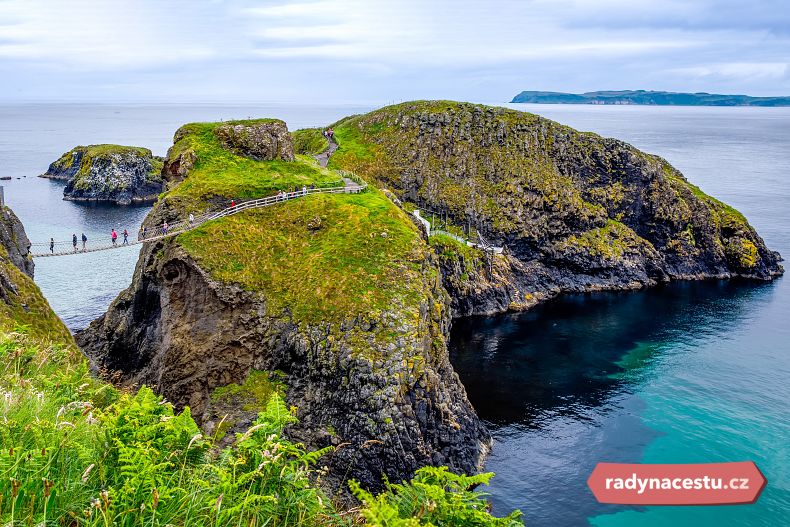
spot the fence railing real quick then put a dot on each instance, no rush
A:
(433, 232)
(146, 234)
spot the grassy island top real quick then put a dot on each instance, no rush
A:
(218, 172)
(321, 257)
(486, 153)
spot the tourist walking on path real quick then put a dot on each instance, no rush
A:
(191, 219)
(84, 241)
(304, 190)
(52, 245)
(233, 203)
(74, 241)
(165, 226)
(125, 237)
(114, 237)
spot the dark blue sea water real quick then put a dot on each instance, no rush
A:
(692, 372)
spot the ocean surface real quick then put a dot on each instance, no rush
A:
(691, 372)
(687, 373)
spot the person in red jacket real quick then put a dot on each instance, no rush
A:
(114, 236)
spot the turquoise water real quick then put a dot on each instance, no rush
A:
(693, 372)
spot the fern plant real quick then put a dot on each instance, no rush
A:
(434, 497)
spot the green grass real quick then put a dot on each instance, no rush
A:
(366, 256)
(221, 173)
(309, 141)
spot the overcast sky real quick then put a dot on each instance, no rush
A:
(370, 51)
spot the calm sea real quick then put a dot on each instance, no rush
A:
(692, 372)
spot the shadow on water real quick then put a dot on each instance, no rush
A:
(559, 385)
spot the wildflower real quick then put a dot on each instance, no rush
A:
(15, 484)
(105, 498)
(218, 503)
(156, 498)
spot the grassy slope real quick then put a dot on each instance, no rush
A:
(354, 264)
(365, 139)
(29, 309)
(363, 259)
(309, 141)
(219, 172)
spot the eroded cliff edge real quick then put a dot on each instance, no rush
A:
(336, 296)
(574, 211)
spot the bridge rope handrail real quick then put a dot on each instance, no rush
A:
(159, 232)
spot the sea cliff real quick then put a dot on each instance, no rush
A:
(573, 210)
(334, 299)
(343, 302)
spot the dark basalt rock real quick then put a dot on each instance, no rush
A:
(15, 241)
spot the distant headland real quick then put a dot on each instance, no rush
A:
(658, 98)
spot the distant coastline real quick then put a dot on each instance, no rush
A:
(644, 97)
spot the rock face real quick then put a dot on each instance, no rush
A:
(21, 302)
(110, 173)
(262, 140)
(576, 212)
(377, 386)
(14, 239)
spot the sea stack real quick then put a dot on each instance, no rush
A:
(108, 173)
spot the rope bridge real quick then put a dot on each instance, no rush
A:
(352, 185)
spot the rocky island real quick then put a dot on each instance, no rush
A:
(345, 304)
(108, 173)
(647, 97)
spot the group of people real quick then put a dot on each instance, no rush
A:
(75, 241)
(329, 133)
(282, 195)
(143, 234)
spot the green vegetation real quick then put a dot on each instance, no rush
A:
(435, 497)
(610, 241)
(219, 172)
(76, 451)
(323, 257)
(258, 388)
(309, 141)
(742, 252)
